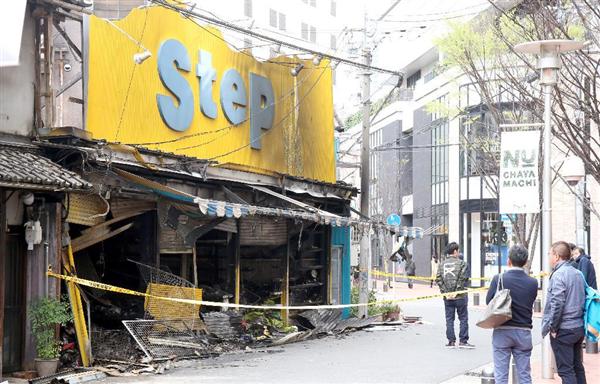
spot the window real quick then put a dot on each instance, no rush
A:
(333, 8)
(482, 157)
(430, 76)
(439, 153)
(333, 42)
(304, 31)
(313, 34)
(411, 81)
(282, 22)
(376, 201)
(442, 106)
(308, 32)
(248, 8)
(115, 9)
(277, 20)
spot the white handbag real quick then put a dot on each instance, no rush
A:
(498, 311)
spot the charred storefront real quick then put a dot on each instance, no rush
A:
(151, 226)
(239, 242)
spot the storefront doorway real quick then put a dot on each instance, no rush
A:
(14, 300)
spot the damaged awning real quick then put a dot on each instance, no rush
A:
(219, 208)
(23, 169)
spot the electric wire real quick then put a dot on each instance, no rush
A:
(276, 124)
(259, 36)
(263, 133)
(341, 32)
(448, 12)
(127, 93)
(124, 107)
(226, 128)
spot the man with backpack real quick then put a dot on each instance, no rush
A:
(563, 314)
(514, 336)
(452, 276)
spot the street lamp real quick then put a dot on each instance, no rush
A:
(549, 63)
(573, 171)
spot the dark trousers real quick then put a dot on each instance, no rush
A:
(569, 355)
(458, 306)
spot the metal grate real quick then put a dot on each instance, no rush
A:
(166, 338)
(164, 283)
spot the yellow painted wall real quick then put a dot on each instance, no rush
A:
(300, 143)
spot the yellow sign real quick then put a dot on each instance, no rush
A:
(198, 96)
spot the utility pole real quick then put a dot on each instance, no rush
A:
(365, 178)
(48, 66)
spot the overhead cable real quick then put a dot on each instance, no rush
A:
(284, 118)
(245, 31)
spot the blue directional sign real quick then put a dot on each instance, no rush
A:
(393, 219)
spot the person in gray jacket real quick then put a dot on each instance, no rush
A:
(563, 315)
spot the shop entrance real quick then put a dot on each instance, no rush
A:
(14, 304)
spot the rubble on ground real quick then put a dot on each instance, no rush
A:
(155, 346)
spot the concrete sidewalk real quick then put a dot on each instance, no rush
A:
(591, 363)
(400, 290)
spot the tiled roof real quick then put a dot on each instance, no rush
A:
(21, 168)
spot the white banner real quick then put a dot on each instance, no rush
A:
(519, 176)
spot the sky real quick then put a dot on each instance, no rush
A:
(12, 15)
(396, 37)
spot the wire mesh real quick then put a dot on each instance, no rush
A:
(166, 338)
(152, 274)
(166, 284)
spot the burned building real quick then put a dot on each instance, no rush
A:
(249, 212)
(198, 173)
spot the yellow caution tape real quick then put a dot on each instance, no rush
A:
(425, 278)
(402, 276)
(125, 291)
(430, 278)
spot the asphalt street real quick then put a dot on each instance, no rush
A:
(413, 354)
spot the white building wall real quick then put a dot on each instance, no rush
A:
(283, 20)
(16, 87)
(563, 213)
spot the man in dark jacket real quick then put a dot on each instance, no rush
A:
(451, 277)
(514, 336)
(583, 262)
(563, 315)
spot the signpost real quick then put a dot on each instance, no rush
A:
(519, 176)
(394, 220)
